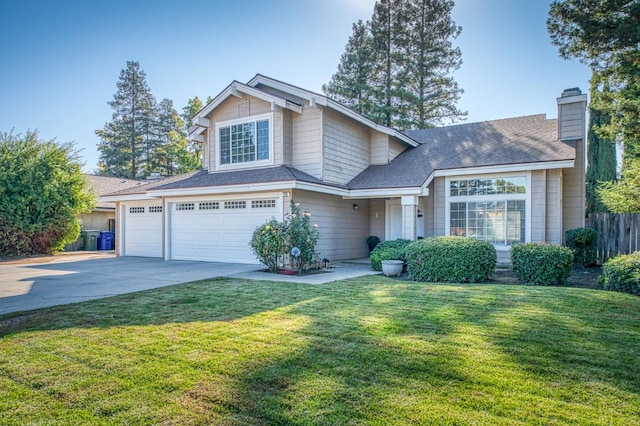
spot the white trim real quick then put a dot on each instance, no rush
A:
(251, 119)
(572, 99)
(495, 197)
(234, 89)
(128, 197)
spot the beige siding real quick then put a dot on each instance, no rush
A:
(571, 123)
(286, 137)
(96, 221)
(429, 213)
(538, 209)
(377, 218)
(346, 148)
(306, 137)
(554, 207)
(573, 192)
(395, 148)
(379, 147)
(439, 205)
(343, 230)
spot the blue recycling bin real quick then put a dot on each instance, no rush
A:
(106, 240)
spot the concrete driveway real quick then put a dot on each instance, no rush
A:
(70, 279)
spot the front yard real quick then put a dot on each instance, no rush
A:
(371, 350)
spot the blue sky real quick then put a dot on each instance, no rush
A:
(60, 59)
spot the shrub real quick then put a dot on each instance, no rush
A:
(269, 244)
(301, 235)
(296, 237)
(541, 263)
(582, 242)
(622, 273)
(388, 250)
(372, 242)
(451, 259)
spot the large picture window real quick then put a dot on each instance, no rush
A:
(492, 209)
(244, 142)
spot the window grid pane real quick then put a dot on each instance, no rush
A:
(497, 222)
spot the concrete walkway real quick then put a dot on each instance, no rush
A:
(74, 278)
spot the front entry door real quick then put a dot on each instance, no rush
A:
(393, 225)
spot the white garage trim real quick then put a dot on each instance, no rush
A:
(217, 229)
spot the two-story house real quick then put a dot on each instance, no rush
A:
(267, 142)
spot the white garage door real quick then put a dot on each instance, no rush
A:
(219, 231)
(143, 230)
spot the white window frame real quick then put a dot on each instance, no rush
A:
(448, 199)
(246, 164)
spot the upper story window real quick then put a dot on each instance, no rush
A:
(244, 141)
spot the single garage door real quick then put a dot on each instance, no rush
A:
(143, 230)
(219, 231)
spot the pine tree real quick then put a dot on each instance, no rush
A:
(601, 153)
(349, 85)
(395, 69)
(126, 142)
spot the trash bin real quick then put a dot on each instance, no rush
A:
(90, 240)
(105, 240)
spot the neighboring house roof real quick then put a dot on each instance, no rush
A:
(101, 185)
(519, 140)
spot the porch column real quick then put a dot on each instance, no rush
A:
(409, 211)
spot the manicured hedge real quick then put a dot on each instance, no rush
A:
(541, 263)
(388, 250)
(582, 241)
(450, 259)
(622, 273)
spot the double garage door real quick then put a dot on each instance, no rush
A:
(207, 230)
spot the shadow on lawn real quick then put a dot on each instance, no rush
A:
(403, 344)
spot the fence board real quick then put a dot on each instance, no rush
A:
(617, 233)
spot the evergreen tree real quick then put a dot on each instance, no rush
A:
(126, 142)
(350, 84)
(396, 68)
(601, 154)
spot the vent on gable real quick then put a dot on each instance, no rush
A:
(243, 109)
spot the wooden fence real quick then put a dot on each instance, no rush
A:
(617, 233)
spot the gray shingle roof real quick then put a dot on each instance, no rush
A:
(203, 178)
(518, 140)
(101, 185)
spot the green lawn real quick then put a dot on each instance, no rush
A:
(371, 350)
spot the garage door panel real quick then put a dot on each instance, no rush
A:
(143, 230)
(217, 235)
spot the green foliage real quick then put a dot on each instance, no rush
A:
(42, 190)
(269, 244)
(582, 242)
(622, 273)
(396, 67)
(601, 154)
(541, 263)
(295, 237)
(144, 137)
(623, 196)
(451, 259)
(388, 250)
(303, 235)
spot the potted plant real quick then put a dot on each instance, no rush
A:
(372, 242)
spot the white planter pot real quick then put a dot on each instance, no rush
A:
(392, 267)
